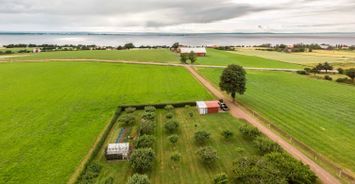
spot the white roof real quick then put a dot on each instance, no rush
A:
(193, 49)
(118, 148)
(201, 104)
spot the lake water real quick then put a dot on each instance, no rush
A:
(169, 39)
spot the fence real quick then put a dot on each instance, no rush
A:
(341, 172)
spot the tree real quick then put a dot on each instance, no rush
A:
(127, 120)
(169, 115)
(171, 126)
(227, 134)
(173, 139)
(169, 108)
(145, 141)
(350, 73)
(201, 137)
(208, 155)
(183, 58)
(138, 179)
(233, 80)
(249, 131)
(221, 178)
(142, 159)
(327, 66)
(175, 45)
(266, 145)
(192, 57)
(129, 46)
(340, 71)
(148, 116)
(176, 156)
(147, 127)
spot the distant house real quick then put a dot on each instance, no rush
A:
(199, 51)
(36, 50)
(207, 107)
(117, 151)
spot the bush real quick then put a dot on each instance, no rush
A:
(142, 159)
(148, 116)
(302, 72)
(249, 131)
(147, 127)
(207, 154)
(176, 157)
(173, 139)
(169, 115)
(169, 107)
(150, 109)
(138, 179)
(266, 145)
(344, 80)
(221, 178)
(341, 71)
(327, 77)
(130, 109)
(145, 141)
(201, 137)
(92, 171)
(127, 120)
(227, 134)
(171, 126)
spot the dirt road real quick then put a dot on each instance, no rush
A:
(238, 112)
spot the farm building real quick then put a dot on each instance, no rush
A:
(207, 107)
(199, 51)
(117, 151)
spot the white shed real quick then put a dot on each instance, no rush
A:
(202, 107)
(117, 151)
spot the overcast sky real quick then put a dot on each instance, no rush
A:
(178, 15)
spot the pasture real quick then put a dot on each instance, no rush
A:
(51, 113)
(317, 112)
(218, 57)
(189, 169)
(152, 55)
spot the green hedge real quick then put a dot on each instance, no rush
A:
(160, 105)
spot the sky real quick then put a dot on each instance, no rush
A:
(178, 16)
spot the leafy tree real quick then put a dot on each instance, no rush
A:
(169, 107)
(221, 178)
(192, 57)
(129, 46)
(145, 141)
(201, 137)
(227, 134)
(147, 127)
(341, 71)
(327, 66)
(208, 155)
(148, 116)
(175, 45)
(233, 80)
(173, 139)
(308, 70)
(249, 131)
(142, 159)
(127, 120)
(176, 157)
(266, 145)
(138, 179)
(183, 58)
(150, 109)
(169, 115)
(171, 126)
(351, 73)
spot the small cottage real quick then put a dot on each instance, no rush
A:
(118, 151)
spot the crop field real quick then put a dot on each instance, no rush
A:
(218, 57)
(338, 58)
(317, 112)
(189, 169)
(153, 55)
(51, 113)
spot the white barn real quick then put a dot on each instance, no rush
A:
(117, 151)
(199, 51)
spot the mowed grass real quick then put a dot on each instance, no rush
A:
(218, 57)
(189, 169)
(152, 55)
(51, 113)
(319, 113)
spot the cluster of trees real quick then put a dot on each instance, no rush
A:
(185, 57)
(92, 171)
(226, 48)
(233, 80)
(350, 73)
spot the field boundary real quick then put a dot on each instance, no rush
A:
(340, 171)
(79, 171)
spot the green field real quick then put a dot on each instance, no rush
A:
(218, 57)
(51, 113)
(189, 169)
(317, 112)
(153, 55)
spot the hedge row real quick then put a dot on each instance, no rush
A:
(160, 105)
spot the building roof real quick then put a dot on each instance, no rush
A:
(118, 148)
(201, 104)
(212, 104)
(186, 50)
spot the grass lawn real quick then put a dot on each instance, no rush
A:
(317, 112)
(51, 113)
(154, 55)
(218, 57)
(189, 169)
